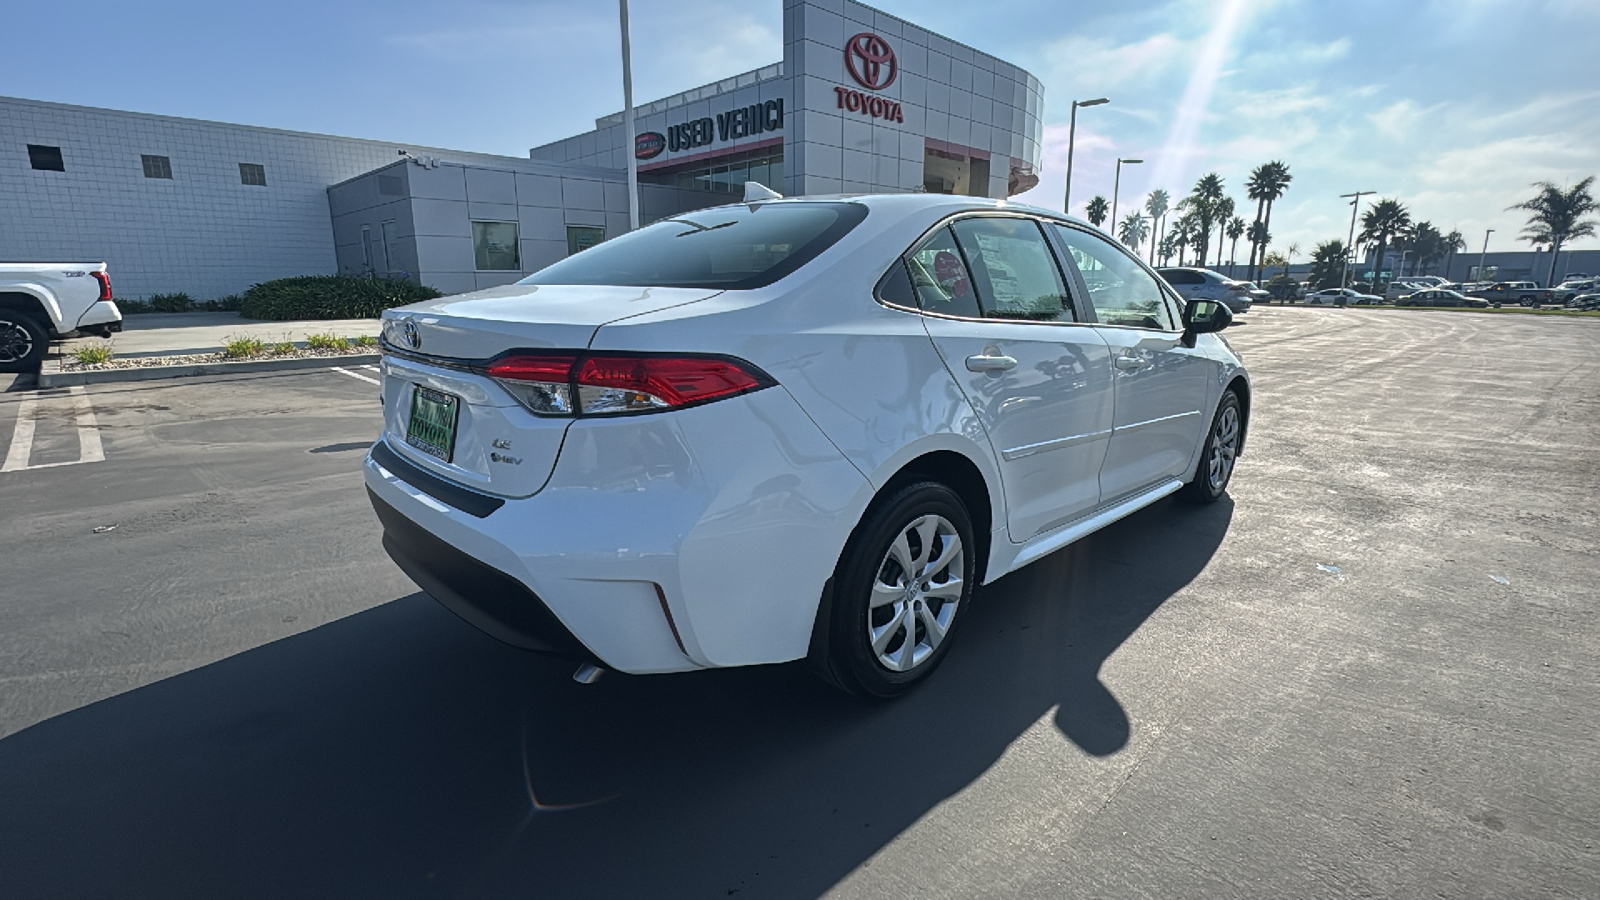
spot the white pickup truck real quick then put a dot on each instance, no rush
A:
(40, 302)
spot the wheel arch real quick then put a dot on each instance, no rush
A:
(1241, 387)
(26, 298)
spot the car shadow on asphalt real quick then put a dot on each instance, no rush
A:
(400, 753)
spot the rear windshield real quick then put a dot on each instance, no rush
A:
(730, 247)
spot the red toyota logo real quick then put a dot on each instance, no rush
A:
(871, 61)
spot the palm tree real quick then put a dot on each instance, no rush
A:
(1258, 236)
(1288, 260)
(1135, 228)
(1181, 231)
(1327, 264)
(1157, 205)
(1267, 183)
(1203, 204)
(1558, 216)
(1235, 231)
(1381, 223)
(1169, 248)
(1452, 242)
(1224, 212)
(1097, 210)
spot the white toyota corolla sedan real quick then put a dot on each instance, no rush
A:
(795, 428)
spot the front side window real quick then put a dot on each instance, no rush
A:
(739, 247)
(494, 246)
(1122, 292)
(1013, 270)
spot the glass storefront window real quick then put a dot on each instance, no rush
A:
(494, 247)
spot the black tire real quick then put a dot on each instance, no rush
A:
(23, 342)
(848, 660)
(1203, 488)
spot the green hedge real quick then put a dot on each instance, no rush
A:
(329, 297)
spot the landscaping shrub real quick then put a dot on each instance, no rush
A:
(93, 354)
(329, 297)
(171, 303)
(243, 347)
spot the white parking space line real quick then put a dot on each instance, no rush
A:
(370, 368)
(344, 371)
(21, 438)
(90, 449)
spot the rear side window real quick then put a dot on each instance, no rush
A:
(730, 247)
(1180, 276)
(1013, 270)
(940, 277)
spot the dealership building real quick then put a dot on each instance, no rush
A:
(860, 101)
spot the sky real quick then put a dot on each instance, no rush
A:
(1454, 107)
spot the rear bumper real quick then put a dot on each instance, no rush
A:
(484, 596)
(693, 539)
(103, 312)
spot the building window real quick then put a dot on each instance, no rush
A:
(252, 173)
(582, 237)
(366, 249)
(156, 166)
(494, 246)
(46, 159)
(389, 185)
(391, 243)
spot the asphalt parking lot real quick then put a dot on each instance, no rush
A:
(1370, 672)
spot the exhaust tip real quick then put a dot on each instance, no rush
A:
(588, 673)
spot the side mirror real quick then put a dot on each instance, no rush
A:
(1204, 317)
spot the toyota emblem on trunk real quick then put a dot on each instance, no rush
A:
(871, 61)
(412, 336)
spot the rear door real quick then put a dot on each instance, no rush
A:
(1160, 386)
(997, 307)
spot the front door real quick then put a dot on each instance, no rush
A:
(1160, 386)
(1040, 382)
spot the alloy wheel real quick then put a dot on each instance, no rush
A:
(1224, 447)
(16, 344)
(916, 593)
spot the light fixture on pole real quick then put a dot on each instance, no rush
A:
(1116, 188)
(629, 137)
(1484, 255)
(1072, 134)
(1350, 246)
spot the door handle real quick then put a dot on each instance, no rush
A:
(1129, 363)
(990, 363)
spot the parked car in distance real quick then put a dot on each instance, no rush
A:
(1398, 289)
(1435, 297)
(1432, 281)
(1585, 301)
(1342, 297)
(1522, 293)
(40, 302)
(1204, 284)
(1565, 292)
(791, 429)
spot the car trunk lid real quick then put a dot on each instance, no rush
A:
(443, 413)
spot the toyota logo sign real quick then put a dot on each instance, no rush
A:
(871, 61)
(649, 145)
(413, 338)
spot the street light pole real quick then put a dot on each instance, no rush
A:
(1349, 247)
(627, 123)
(1403, 255)
(1072, 135)
(1482, 256)
(1116, 188)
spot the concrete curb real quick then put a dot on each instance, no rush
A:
(50, 374)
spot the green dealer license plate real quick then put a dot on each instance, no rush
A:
(433, 422)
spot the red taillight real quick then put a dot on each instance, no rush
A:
(609, 383)
(621, 383)
(105, 284)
